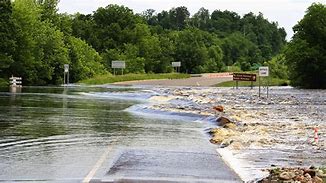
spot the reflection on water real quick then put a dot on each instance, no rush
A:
(57, 134)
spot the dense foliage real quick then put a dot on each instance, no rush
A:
(37, 41)
(205, 42)
(306, 53)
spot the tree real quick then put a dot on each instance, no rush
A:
(26, 15)
(225, 22)
(191, 50)
(201, 19)
(306, 53)
(179, 17)
(214, 62)
(278, 68)
(149, 16)
(36, 41)
(239, 50)
(267, 36)
(135, 64)
(85, 61)
(83, 26)
(163, 20)
(7, 36)
(113, 27)
(41, 51)
(49, 11)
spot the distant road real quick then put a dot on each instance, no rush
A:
(196, 80)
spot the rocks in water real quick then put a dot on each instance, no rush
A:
(219, 108)
(317, 180)
(226, 123)
(223, 121)
(287, 175)
(311, 172)
(302, 175)
(220, 135)
(230, 126)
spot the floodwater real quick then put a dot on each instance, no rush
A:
(64, 134)
(277, 131)
(59, 134)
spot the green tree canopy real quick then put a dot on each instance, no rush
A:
(306, 53)
(37, 40)
(8, 31)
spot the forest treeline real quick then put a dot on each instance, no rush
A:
(37, 41)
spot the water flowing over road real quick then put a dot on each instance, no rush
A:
(83, 134)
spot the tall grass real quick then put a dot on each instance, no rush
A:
(109, 78)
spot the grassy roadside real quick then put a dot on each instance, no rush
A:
(272, 82)
(109, 78)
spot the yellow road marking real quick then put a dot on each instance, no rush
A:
(98, 164)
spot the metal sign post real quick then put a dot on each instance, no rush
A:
(176, 66)
(66, 74)
(118, 65)
(264, 72)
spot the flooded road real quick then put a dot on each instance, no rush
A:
(59, 134)
(266, 133)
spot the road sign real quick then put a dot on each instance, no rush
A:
(244, 77)
(15, 81)
(263, 71)
(66, 74)
(118, 64)
(176, 64)
(66, 68)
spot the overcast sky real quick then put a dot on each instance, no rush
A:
(286, 12)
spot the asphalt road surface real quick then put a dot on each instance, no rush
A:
(205, 80)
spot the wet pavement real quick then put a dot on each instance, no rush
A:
(65, 135)
(169, 166)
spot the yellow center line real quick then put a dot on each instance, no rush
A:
(98, 164)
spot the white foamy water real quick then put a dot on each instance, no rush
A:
(272, 132)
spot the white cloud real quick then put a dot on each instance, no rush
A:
(286, 12)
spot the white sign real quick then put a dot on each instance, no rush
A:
(176, 64)
(118, 64)
(66, 66)
(263, 71)
(15, 81)
(15, 78)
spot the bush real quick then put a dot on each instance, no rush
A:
(3, 82)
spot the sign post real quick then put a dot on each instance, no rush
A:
(118, 65)
(176, 65)
(66, 74)
(244, 77)
(264, 72)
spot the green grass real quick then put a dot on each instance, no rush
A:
(109, 78)
(272, 82)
